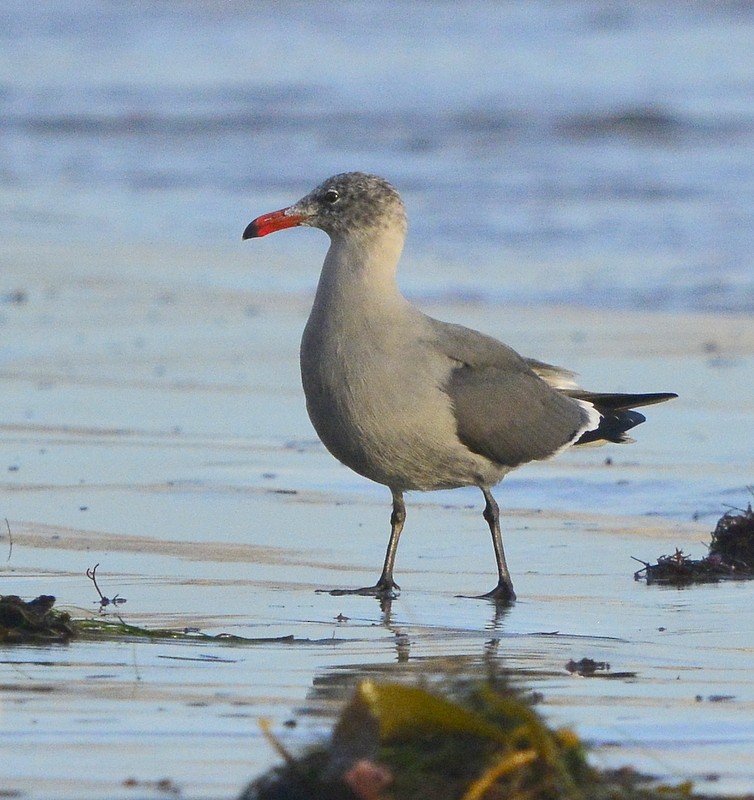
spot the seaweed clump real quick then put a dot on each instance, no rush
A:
(405, 743)
(730, 556)
(38, 622)
(33, 621)
(733, 541)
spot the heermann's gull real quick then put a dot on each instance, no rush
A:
(412, 402)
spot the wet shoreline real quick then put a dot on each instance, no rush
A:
(171, 447)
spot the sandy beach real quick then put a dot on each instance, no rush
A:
(153, 423)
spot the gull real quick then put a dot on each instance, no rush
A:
(415, 403)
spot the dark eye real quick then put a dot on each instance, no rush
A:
(331, 196)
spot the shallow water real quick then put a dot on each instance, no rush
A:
(171, 447)
(579, 183)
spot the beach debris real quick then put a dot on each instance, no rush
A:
(733, 540)
(104, 601)
(464, 739)
(406, 742)
(586, 666)
(163, 786)
(37, 621)
(23, 622)
(589, 668)
(715, 698)
(730, 556)
(10, 540)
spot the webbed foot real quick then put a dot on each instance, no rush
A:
(502, 594)
(385, 590)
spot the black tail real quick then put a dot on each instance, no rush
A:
(616, 413)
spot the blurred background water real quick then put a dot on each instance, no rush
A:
(597, 153)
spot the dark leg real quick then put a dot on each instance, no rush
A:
(503, 592)
(385, 587)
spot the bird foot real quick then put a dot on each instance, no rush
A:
(385, 590)
(502, 594)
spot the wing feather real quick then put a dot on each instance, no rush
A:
(504, 410)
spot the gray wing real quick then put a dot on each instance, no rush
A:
(504, 410)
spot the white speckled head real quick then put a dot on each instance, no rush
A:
(348, 204)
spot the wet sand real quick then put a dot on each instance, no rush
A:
(153, 423)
